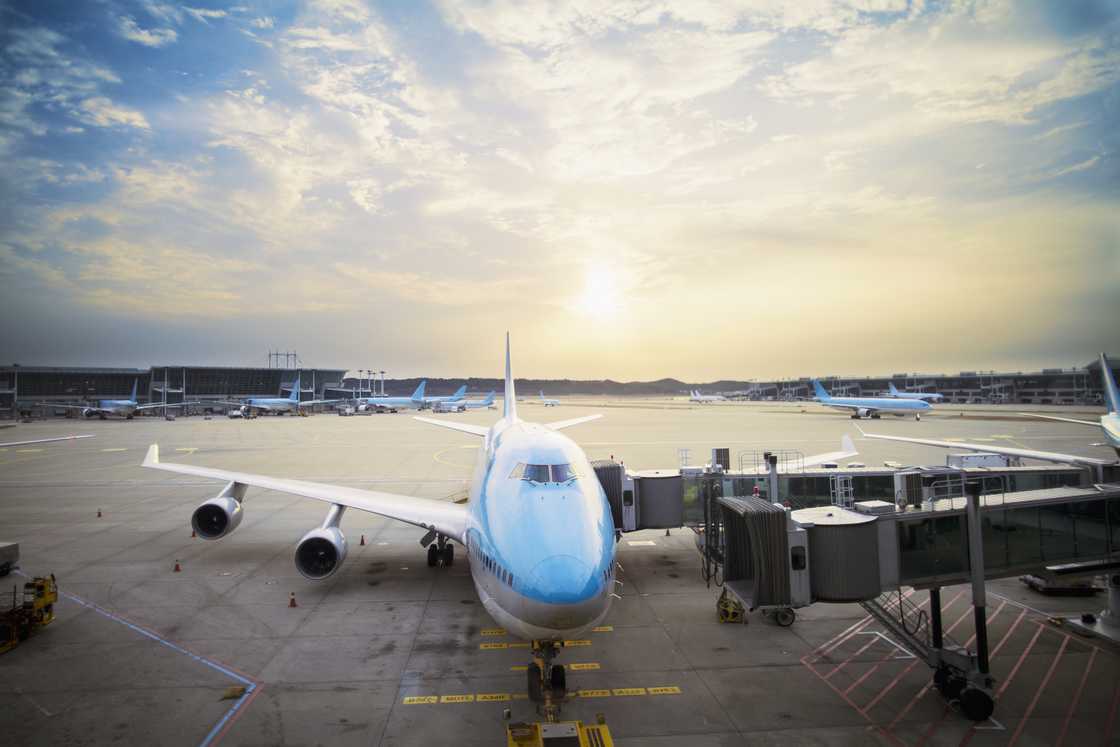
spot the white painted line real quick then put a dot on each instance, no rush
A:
(641, 543)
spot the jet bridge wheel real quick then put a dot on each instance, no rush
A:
(785, 617)
(949, 685)
(976, 704)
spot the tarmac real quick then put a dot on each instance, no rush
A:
(391, 652)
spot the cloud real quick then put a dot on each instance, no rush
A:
(263, 23)
(129, 29)
(204, 15)
(102, 112)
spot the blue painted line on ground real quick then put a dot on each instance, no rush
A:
(250, 685)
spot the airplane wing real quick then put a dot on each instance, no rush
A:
(562, 424)
(169, 405)
(1045, 456)
(446, 518)
(44, 440)
(1064, 420)
(474, 430)
(71, 407)
(321, 402)
(847, 450)
(839, 406)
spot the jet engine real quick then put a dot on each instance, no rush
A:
(89, 412)
(217, 517)
(863, 412)
(320, 553)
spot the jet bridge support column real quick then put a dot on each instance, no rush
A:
(935, 617)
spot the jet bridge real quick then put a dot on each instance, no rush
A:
(769, 557)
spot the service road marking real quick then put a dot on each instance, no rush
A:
(618, 692)
(119, 448)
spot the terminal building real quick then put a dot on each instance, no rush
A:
(22, 388)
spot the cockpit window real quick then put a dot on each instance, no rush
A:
(542, 473)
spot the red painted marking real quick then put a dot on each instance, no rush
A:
(244, 707)
(1007, 635)
(1076, 697)
(1111, 716)
(867, 674)
(863, 648)
(1022, 657)
(1038, 693)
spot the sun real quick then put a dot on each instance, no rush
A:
(601, 299)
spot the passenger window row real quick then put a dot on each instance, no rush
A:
(493, 566)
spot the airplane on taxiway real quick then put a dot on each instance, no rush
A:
(126, 408)
(696, 396)
(870, 407)
(463, 405)
(925, 396)
(1109, 424)
(548, 402)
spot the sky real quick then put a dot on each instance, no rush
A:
(635, 190)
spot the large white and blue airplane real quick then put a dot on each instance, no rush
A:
(870, 407)
(278, 405)
(696, 396)
(414, 402)
(547, 402)
(126, 408)
(1109, 424)
(537, 528)
(925, 396)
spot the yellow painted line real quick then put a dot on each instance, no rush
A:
(603, 629)
(620, 691)
(584, 666)
(456, 699)
(569, 644)
(493, 631)
(493, 646)
(120, 448)
(519, 696)
(954, 439)
(188, 450)
(492, 697)
(519, 645)
(28, 451)
(672, 690)
(594, 693)
(520, 668)
(418, 699)
(983, 439)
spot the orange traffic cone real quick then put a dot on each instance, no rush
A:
(363, 542)
(292, 600)
(177, 568)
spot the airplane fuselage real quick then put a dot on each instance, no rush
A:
(1110, 424)
(877, 404)
(541, 552)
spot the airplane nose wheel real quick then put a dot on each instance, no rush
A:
(441, 553)
(548, 682)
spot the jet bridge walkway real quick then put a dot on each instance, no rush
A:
(870, 554)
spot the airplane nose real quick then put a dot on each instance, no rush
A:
(563, 579)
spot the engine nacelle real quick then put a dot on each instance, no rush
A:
(863, 412)
(89, 412)
(320, 553)
(217, 517)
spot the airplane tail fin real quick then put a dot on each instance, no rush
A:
(419, 393)
(134, 383)
(1111, 393)
(458, 395)
(294, 396)
(509, 403)
(542, 394)
(821, 393)
(892, 388)
(489, 398)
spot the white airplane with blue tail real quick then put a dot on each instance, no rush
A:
(279, 405)
(870, 407)
(537, 528)
(925, 396)
(126, 408)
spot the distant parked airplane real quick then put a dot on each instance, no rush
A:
(548, 402)
(870, 407)
(696, 396)
(279, 405)
(925, 396)
(126, 408)
(463, 405)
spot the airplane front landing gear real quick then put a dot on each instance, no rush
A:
(548, 686)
